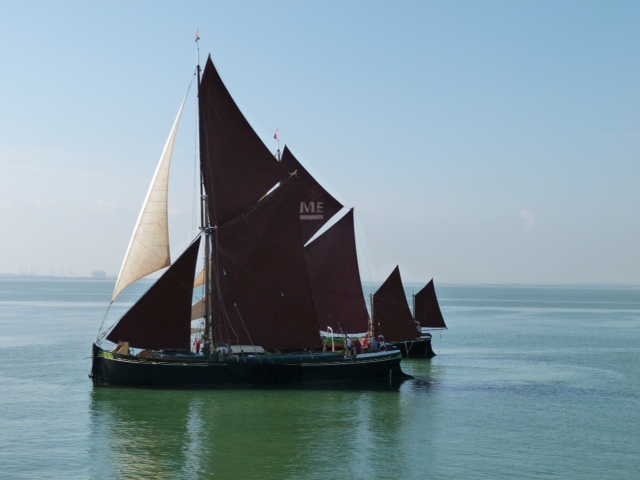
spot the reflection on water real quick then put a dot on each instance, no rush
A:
(142, 434)
(251, 433)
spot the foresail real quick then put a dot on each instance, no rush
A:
(148, 249)
(391, 313)
(161, 318)
(427, 309)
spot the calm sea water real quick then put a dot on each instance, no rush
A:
(529, 383)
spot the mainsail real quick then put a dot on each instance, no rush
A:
(426, 308)
(148, 249)
(263, 296)
(316, 205)
(335, 278)
(161, 318)
(391, 313)
(261, 292)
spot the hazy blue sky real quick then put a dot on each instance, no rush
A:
(479, 141)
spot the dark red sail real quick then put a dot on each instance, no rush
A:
(391, 314)
(317, 206)
(237, 167)
(263, 285)
(161, 318)
(426, 308)
(335, 279)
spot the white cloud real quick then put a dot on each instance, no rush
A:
(529, 218)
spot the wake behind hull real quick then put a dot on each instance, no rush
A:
(417, 348)
(113, 370)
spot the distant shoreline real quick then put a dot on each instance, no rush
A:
(408, 285)
(18, 276)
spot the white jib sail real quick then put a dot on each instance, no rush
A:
(148, 249)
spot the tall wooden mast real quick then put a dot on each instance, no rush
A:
(205, 225)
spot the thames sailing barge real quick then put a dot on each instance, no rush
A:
(391, 317)
(261, 324)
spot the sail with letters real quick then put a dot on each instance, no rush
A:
(331, 257)
(317, 206)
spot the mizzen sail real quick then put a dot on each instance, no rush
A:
(148, 249)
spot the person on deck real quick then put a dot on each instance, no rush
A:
(357, 347)
(222, 351)
(373, 345)
(347, 350)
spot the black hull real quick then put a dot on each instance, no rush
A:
(418, 348)
(113, 370)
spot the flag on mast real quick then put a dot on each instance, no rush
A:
(277, 137)
(197, 35)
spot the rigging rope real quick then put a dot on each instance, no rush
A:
(366, 261)
(100, 336)
(247, 332)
